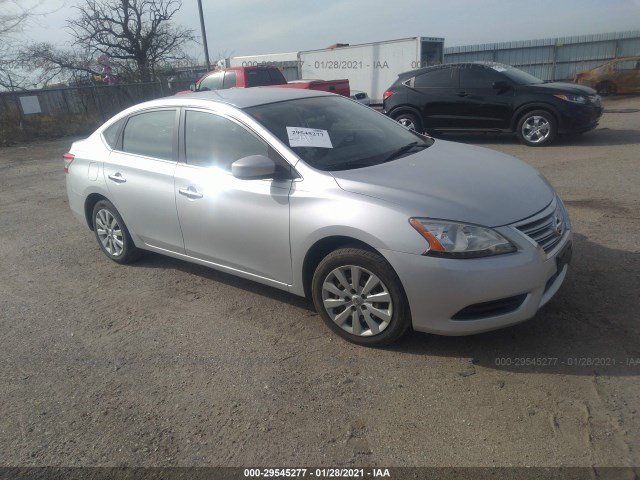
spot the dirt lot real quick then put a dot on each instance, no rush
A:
(164, 363)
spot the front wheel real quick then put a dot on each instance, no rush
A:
(410, 121)
(537, 128)
(112, 234)
(606, 88)
(360, 297)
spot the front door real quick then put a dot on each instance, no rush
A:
(481, 105)
(242, 225)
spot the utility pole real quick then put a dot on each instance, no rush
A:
(204, 36)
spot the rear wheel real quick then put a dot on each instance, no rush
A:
(112, 234)
(537, 128)
(410, 121)
(360, 297)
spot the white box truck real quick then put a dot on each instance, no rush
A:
(286, 62)
(371, 67)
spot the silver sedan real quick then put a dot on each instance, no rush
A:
(316, 194)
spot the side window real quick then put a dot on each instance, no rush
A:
(277, 77)
(212, 82)
(478, 77)
(215, 141)
(625, 65)
(111, 134)
(438, 78)
(229, 80)
(150, 134)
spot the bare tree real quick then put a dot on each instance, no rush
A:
(52, 63)
(12, 18)
(136, 34)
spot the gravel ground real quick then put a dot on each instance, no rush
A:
(163, 363)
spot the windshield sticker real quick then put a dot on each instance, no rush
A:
(308, 137)
(498, 68)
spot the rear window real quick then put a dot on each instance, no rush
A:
(264, 76)
(111, 134)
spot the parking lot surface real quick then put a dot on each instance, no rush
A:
(164, 363)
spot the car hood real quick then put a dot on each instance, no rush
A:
(455, 182)
(559, 87)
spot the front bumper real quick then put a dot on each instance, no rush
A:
(518, 284)
(578, 118)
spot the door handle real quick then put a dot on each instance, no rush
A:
(117, 177)
(190, 192)
(463, 94)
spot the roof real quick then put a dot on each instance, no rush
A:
(418, 71)
(250, 97)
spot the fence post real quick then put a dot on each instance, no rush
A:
(96, 100)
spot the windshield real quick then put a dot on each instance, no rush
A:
(520, 77)
(333, 133)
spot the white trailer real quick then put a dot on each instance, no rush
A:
(371, 67)
(287, 62)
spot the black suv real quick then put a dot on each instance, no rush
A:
(491, 97)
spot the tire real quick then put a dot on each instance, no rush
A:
(537, 128)
(112, 234)
(410, 121)
(367, 275)
(606, 88)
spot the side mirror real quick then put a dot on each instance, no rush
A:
(192, 87)
(258, 167)
(501, 85)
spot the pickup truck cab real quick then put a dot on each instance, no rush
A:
(263, 76)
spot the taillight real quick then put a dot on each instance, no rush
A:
(387, 94)
(68, 158)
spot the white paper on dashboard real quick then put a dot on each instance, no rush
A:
(308, 137)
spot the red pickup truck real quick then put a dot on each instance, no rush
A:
(262, 76)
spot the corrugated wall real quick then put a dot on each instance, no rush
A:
(552, 58)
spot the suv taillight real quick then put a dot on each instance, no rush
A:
(387, 94)
(68, 158)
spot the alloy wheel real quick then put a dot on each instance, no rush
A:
(109, 233)
(357, 301)
(536, 129)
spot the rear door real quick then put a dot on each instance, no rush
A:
(434, 93)
(139, 176)
(242, 225)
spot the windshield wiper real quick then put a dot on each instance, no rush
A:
(410, 146)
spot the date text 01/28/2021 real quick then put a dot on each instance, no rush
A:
(569, 361)
(317, 472)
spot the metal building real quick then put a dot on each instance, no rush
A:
(552, 58)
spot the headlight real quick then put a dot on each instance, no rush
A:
(565, 213)
(457, 240)
(572, 98)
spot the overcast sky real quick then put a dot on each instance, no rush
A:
(246, 27)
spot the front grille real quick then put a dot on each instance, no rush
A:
(545, 229)
(595, 99)
(490, 309)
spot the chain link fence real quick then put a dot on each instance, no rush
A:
(51, 113)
